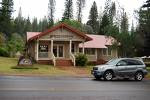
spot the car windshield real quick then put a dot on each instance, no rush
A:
(112, 62)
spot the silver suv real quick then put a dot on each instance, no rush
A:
(122, 67)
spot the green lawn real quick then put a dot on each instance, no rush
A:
(148, 76)
(6, 65)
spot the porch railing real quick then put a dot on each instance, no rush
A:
(43, 54)
(72, 57)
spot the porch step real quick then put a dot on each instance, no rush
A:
(46, 62)
(64, 62)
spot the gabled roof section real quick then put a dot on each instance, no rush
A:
(61, 25)
(32, 34)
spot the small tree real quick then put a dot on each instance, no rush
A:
(15, 44)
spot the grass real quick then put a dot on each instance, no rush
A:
(8, 67)
(148, 76)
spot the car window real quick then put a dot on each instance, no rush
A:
(122, 63)
(112, 62)
(134, 62)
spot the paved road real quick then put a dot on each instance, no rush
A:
(58, 88)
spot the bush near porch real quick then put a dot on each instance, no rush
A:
(81, 60)
(7, 68)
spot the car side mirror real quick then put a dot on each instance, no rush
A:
(119, 64)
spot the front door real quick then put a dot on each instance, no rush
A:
(58, 51)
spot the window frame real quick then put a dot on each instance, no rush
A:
(90, 51)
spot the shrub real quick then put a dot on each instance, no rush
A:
(4, 52)
(81, 60)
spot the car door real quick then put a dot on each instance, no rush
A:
(121, 67)
(131, 67)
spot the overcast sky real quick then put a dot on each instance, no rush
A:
(39, 8)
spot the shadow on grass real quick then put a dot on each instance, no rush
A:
(24, 67)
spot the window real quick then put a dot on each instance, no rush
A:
(134, 62)
(80, 50)
(43, 51)
(122, 63)
(43, 48)
(109, 51)
(73, 48)
(90, 51)
(104, 51)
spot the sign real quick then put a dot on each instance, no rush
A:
(61, 36)
(25, 62)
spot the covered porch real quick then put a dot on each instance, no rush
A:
(54, 51)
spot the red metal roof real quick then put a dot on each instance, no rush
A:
(32, 34)
(98, 41)
(35, 35)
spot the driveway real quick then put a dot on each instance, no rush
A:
(60, 88)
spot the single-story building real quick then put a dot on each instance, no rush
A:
(59, 44)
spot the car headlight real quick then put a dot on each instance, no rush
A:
(101, 68)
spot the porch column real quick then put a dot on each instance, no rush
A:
(37, 50)
(52, 46)
(70, 46)
(83, 48)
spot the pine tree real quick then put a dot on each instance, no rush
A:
(104, 23)
(93, 18)
(68, 13)
(144, 25)
(5, 17)
(112, 12)
(107, 6)
(35, 25)
(51, 10)
(124, 23)
(108, 17)
(43, 24)
(80, 6)
(19, 23)
(147, 4)
(28, 27)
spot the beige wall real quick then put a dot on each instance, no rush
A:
(65, 35)
(99, 55)
(107, 57)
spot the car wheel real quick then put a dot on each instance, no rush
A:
(139, 76)
(108, 75)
